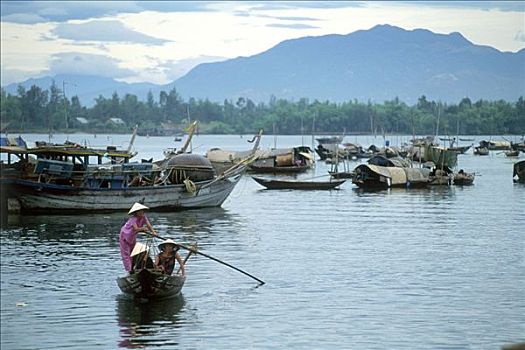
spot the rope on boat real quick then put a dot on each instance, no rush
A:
(190, 186)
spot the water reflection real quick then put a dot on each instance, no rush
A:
(191, 223)
(149, 324)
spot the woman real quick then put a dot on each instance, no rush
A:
(138, 222)
(166, 258)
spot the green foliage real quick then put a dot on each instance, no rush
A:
(40, 110)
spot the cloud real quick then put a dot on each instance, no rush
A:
(104, 31)
(518, 6)
(284, 5)
(292, 18)
(281, 18)
(61, 11)
(87, 64)
(175, 69)
(30, 12)
(23, 18)
(10, 75)
(291, 26)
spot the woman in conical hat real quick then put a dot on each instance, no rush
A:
(138, 222)
(167, 256)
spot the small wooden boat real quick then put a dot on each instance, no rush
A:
(460, 149)
(463, 179)
(481, 151)
(273, 184)
(519, 171)
(513, 153)
(341, 174)
(150, 283)
(330, 139)
(286, 160)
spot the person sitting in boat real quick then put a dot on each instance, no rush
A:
(140, 257)
(166, 258)
(138, 222)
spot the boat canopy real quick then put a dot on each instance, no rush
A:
(397, 175)
(388, 162)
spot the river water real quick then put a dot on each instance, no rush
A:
(439, 268)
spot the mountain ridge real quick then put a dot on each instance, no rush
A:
(377, 64)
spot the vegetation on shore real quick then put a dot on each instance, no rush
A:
(39, 110)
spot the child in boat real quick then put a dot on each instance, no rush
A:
(138, 222)
(166, 258)
(140, 257)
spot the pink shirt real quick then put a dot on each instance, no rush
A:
(126, 232)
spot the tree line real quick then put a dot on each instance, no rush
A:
(39, 110)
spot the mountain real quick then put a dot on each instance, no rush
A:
(88, 87)
(378, 64)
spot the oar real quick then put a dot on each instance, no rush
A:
(215, 259)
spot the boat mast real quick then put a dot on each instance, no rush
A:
(189, 123)
(437, 123)
(133, 136)
(274, 137)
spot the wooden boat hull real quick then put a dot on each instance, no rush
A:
(151, 284)
(341, 174)
(297, 185)
(519, 171)
(481, 151)
(280, 169)
(369, 176)
(464, 180)
(35, 196)
(460, 149)
(512, 153)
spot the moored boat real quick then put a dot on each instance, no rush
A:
(463, 179)
(287, 160)
(513, 153)
(65, 180)
(481, 151)
(275, 184)
(371, 176)
(519, 171)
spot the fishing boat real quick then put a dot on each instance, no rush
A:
(460, 149)
(481, 151)
(495, 145)
(286, 160)
(519, 171)
(341, 174)
(63, 179)
(369, 176)
(463, 179)
(275, 184)
(513, 153)
(330, 139)
(223, 159)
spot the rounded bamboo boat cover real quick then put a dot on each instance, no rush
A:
(190, 160)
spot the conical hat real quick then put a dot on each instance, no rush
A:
(168, 241)
(137, 207)
(139, 248)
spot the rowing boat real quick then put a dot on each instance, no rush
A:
(151, 284)
(273, 184)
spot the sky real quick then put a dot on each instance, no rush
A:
(158, 42)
